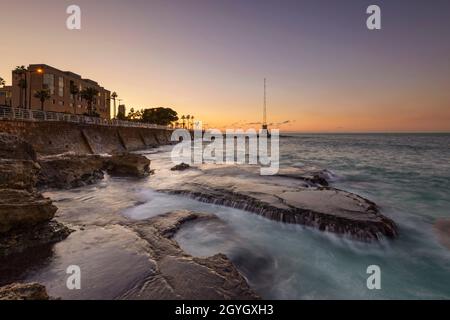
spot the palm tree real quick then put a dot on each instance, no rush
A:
(183, 118)
(89, 95)
(192, 122)
(114, 95)
(2, 82)
(74, 91)
(22, 84)
(188, 119)
(42, 95)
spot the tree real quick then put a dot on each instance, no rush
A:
(22, 84)
(114, 95)
(74, 91)
(188, 119)
(183, 118)
(159, 116)
(90, 94)
(2, 82)
(134, 115)
(42, 95)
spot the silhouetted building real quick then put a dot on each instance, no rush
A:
(122, 109)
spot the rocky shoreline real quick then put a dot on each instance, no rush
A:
(299, 196)
(27, 221)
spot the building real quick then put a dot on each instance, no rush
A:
(6, 96)
(122, 109)
(58, 83)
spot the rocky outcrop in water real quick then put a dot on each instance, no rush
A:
(128, 164)
(19, 240)
(291, 197)
(70, 171)
(178, 275)
(181, 167)
(23, 291)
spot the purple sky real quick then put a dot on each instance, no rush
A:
(326, 71)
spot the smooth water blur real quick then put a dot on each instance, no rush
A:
(407, 175)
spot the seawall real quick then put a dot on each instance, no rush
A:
(49, 138)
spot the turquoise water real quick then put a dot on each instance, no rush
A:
(407, 175)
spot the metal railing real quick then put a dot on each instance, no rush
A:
(38, 115)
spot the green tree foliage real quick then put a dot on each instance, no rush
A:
(42, 95)
(160, 116)
(90, 94)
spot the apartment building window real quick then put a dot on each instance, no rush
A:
(61, 103)
(49, 82)
(61, 86)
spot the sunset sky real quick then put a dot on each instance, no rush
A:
(325, 70)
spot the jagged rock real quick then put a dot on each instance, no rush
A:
(23, 291)
(19, 240)
(13, 147)
(18, 174)
(181, 167)
(21, 208)
(286, 198)
(70, 171)
(128, 164)
(179, 275)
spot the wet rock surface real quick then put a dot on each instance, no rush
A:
(70, 171)
(23, 291)
(128, 164)
(180, 276)
(298, 196)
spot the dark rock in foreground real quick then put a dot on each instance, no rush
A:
(25, 215)
(180, 276)
(20, 208)
(23, 291)
(19, 240)
(128, 164)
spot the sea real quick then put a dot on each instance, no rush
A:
(406, 174)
